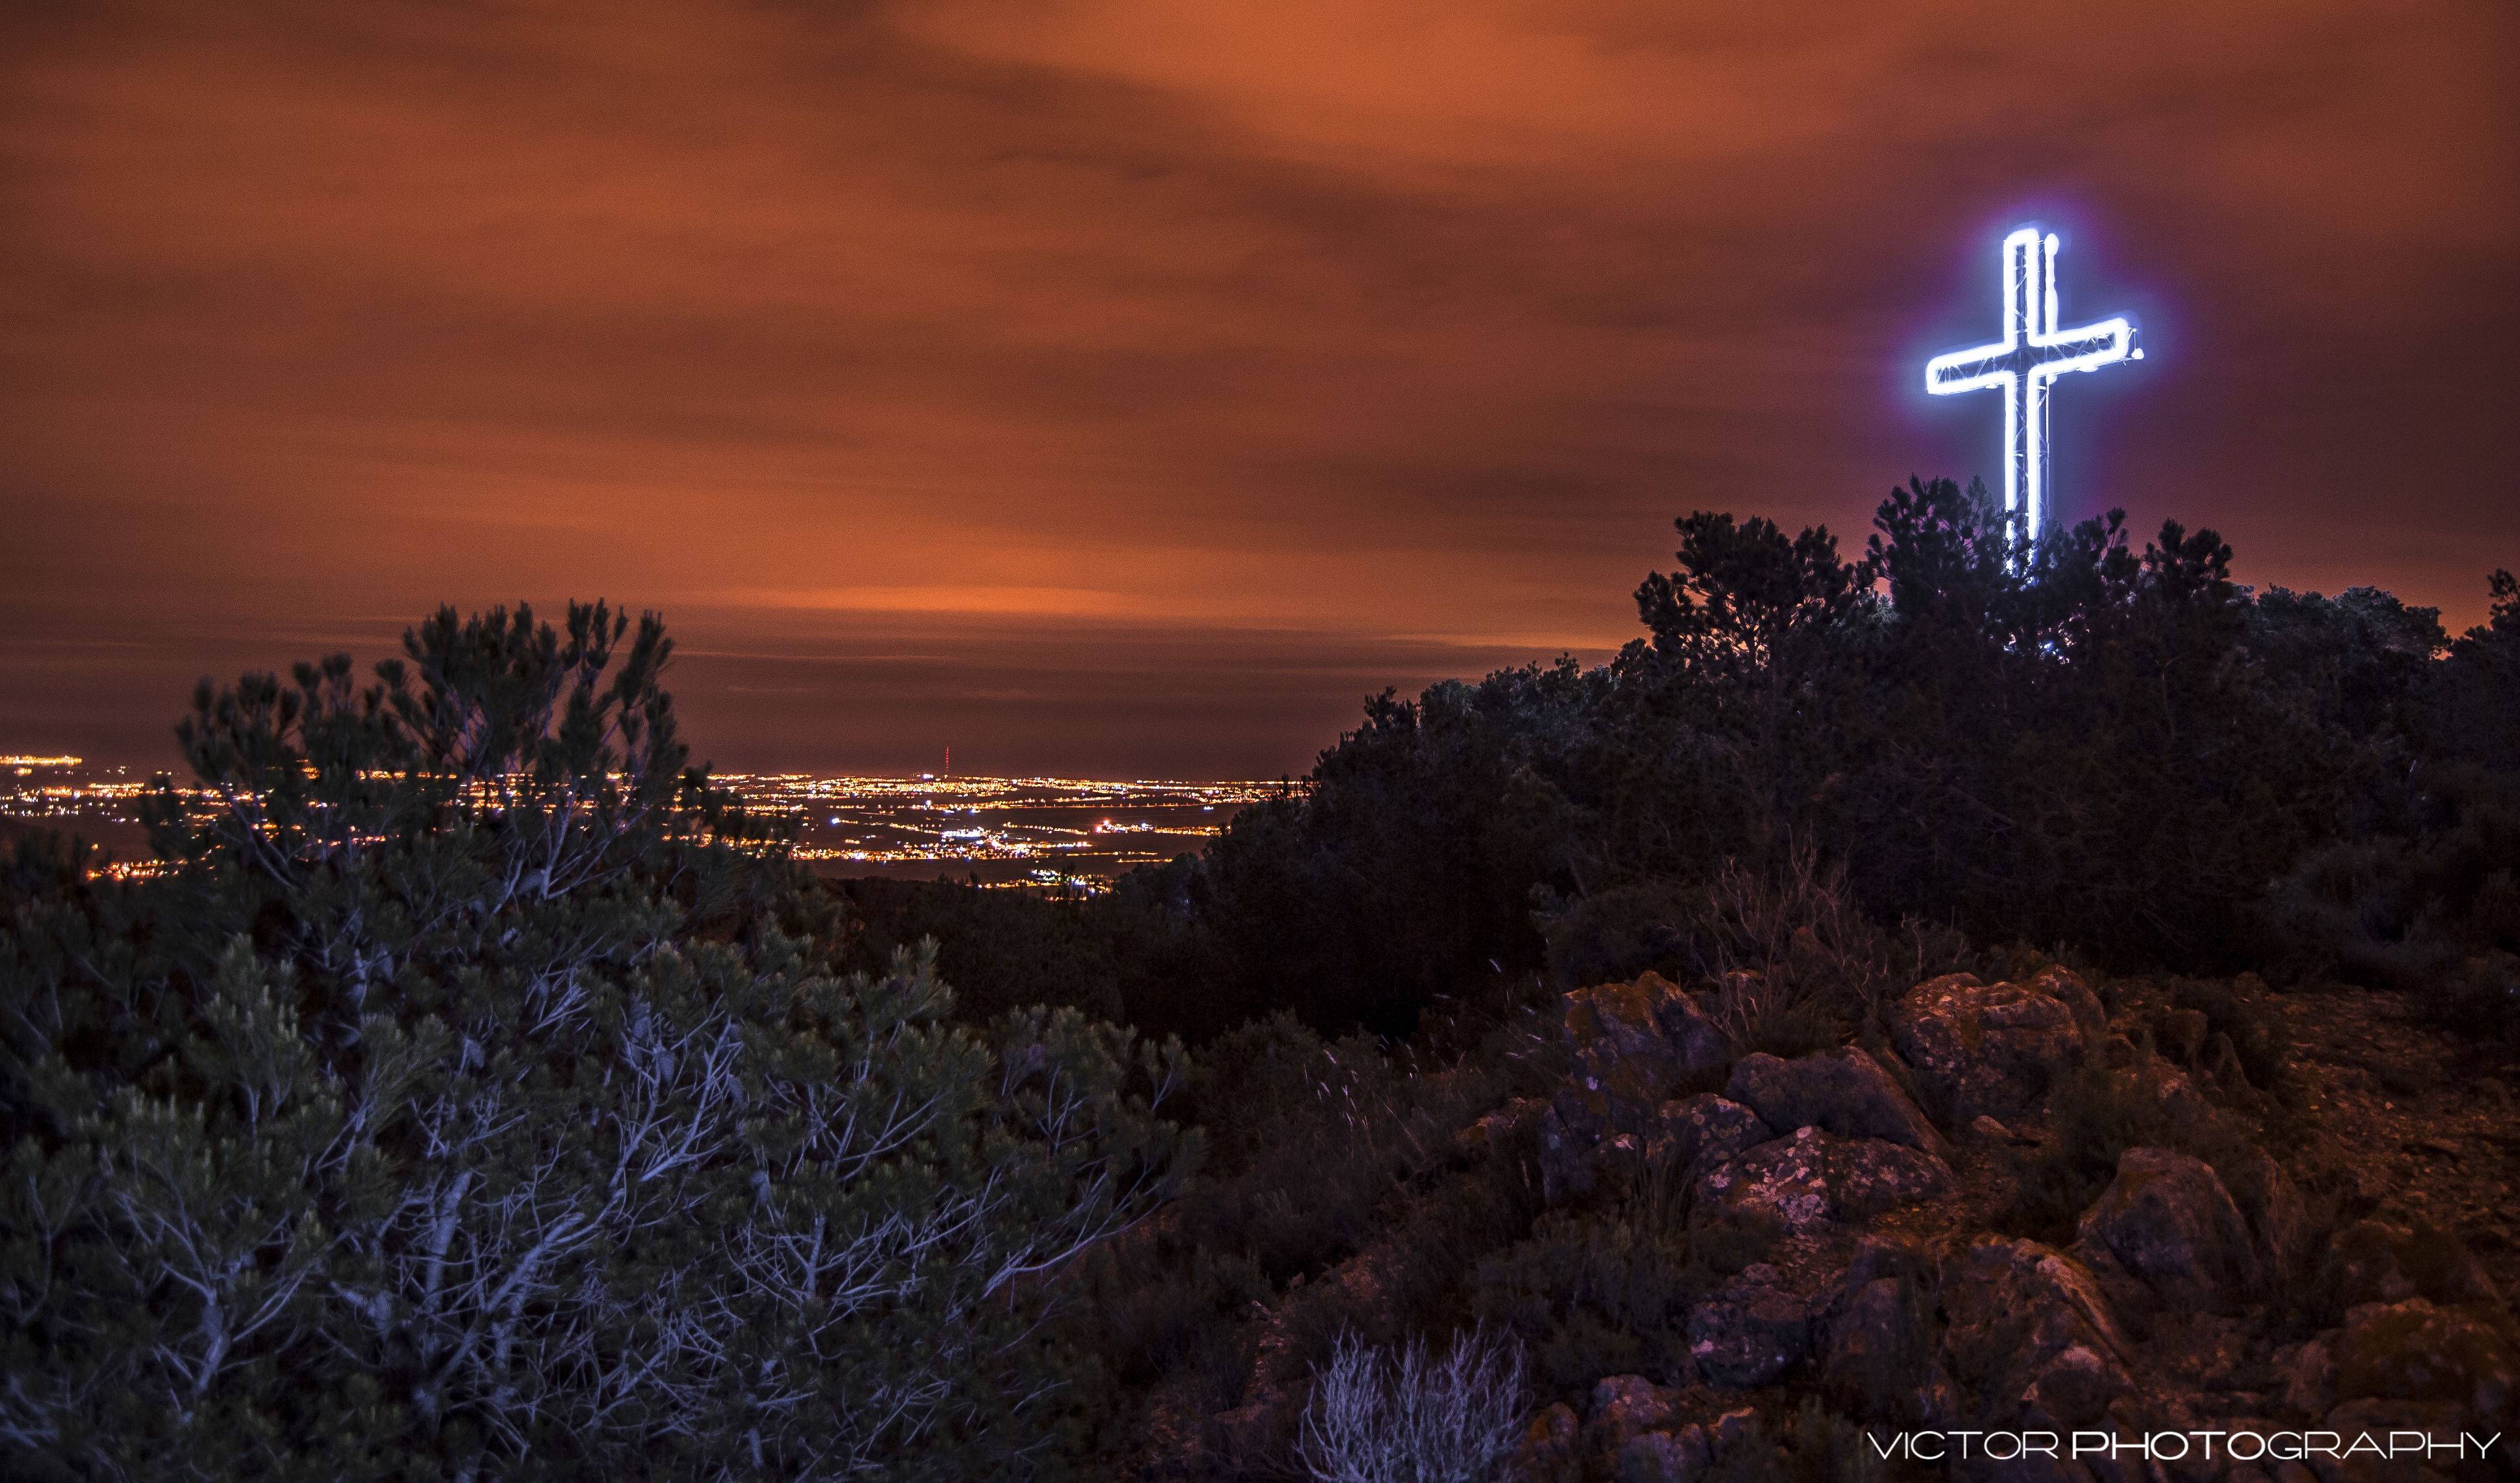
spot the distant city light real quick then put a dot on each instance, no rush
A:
(2025, 363)
(904, 825)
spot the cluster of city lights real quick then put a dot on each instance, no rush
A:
(1073, 833)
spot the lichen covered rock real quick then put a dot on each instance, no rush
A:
(1748, 1334)
(2167, 1218)
(1993, 1050)
(1692, 1132)
(2030, 1334)
(1813, 1179)
(1844, 1091)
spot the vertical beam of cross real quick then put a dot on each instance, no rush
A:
(2024, 365)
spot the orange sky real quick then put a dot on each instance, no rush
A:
(1113, 386)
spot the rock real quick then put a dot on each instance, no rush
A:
(2182, 1035)
(2075, 1387)
(2067, 987)
(1549, 1454)
(1814, 1178)
(2278, 1220)
(2221, 1067)
(2417, 1351)
(2306, 1377)
(1663, 1456)
(2018, 1310)
(2168, 1219)
(1844, 1091)
(1693, 1131)
(1625, 1406)
(2374, 1262)
(1991, 1049)
(1650, 1018)
(1876, 1257)
(2181, 1101)
(1876, 1350)
(1498, 1129)
(1989, 1129)
(1630, 1046)
(1747, 1335)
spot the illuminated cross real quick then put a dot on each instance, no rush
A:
(2033, 353)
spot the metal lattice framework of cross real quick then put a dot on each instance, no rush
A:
(2025, 364)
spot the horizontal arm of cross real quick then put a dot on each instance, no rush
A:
(2046, 355)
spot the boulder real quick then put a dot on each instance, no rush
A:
(1844, 1091)
(1993, 1050)
(2417, 1350)
(2374, 1262)
(1662, 1457)
(1814, 1178)
(1875, 1349)
(2278, 1219)
(1748, 1334)
(2306, 1377)
(2222, 1068)
(2167, 1218)
(1503, 1128)
(2182, 1035)
(1692, 1132)
(2029, 1332)
(1624, 1407)
(1549, 1453)
(1630, 1047)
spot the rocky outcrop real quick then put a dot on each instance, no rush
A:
(1813, 1179)
(1623, 1408)
(1994, 1049)
(2168, 1220)
(1750, 1332)
(1632, 1043)
(2030, 1338)
(1630, 1046)
(1875, 1338)
(1693, 1131)
(1844, 1091)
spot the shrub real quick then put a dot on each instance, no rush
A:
(1608, 1291)
(1374, 1418)
(465, 1102)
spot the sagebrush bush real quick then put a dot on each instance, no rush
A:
(1376, 1417)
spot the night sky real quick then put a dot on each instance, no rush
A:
(1119, 388)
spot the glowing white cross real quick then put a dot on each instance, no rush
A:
(2033, 353)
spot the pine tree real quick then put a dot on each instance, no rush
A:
(475, 1095)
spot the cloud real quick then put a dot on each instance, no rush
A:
(1307, 318)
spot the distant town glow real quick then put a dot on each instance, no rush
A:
(1074, 834)
(2025, 363)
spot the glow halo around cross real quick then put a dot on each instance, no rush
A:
(2025, 364)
